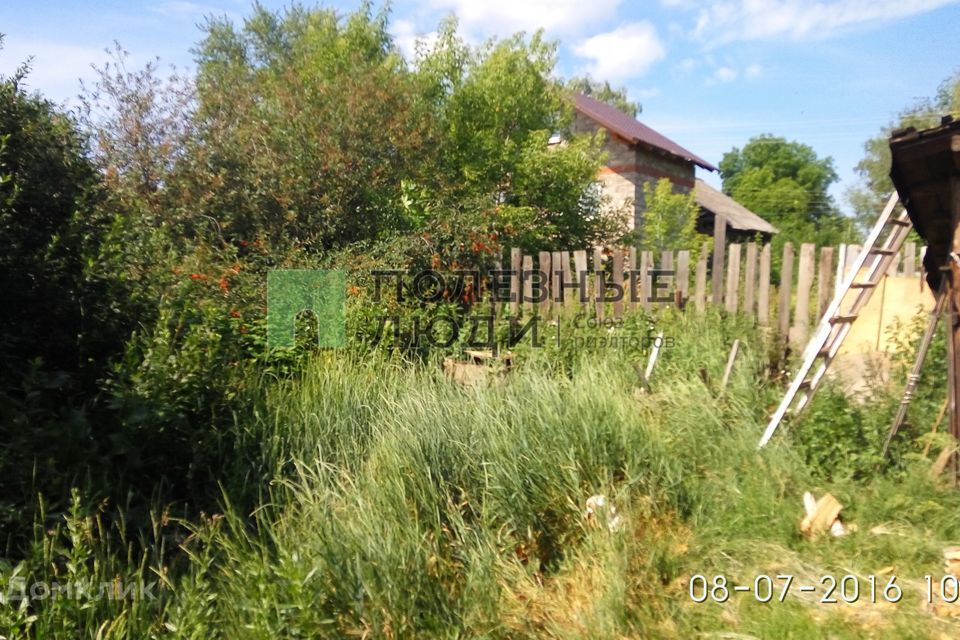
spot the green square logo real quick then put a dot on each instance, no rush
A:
(292, 291)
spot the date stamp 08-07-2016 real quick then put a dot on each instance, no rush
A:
(827, 589)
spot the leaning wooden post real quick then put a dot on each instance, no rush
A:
(786, 282)
(719, 248)
(730, 360)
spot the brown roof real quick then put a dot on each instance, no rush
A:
(629, 128)
(923, 166)
(737, 216)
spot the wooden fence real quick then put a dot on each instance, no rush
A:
(737, 276)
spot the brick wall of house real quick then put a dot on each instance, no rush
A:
(629, 167)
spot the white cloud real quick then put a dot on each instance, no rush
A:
(753, 71)
(501, 17)
(723, 21)
(407, 37)
(723, 75)
(626, 52)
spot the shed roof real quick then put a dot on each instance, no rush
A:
(632, 130)
(737, 216)
(923, 166)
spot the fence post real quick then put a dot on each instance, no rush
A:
(824, 281)
(683, 274)
(763, 295)
(516, 264)
(910, 260)
(598, 288)
(700, 293)
(618, 282)
(527, 278)
(733, 279)
(556, 282)
(719, 246)
(583, 279)
(634, 294)
(805, 271)
(786, 281)
(566, 279)
(750, 276)
(646, 263)
(545, 271)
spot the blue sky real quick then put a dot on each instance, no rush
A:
(709, 73)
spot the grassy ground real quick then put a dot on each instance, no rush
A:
(406, 506)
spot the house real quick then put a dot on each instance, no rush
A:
(636, 155)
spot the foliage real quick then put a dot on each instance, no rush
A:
(787, 184)
(869, 197)
(403, 505)
(670, 219)
(604, 92)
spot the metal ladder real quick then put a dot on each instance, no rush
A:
(879, 249)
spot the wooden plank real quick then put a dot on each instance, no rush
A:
(853, 250)
(646, 264)
(683, 274)
(544, 266)
(841, 265)
(618, 281)
(598, 282)
(528, 302)
(750, 281)
(570, 295)
(666, 264)
(516, 265)
(805, 271)
(719, 248)
(953, 326)
(910, 260)
(786, 282)
(633, 282)
(730, 360)
(556, 294)
(583, 279)
(763, 292)
(732, 298)
(825, 281)
(893, 268)
(700, 292)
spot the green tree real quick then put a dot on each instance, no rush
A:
(868, 197)
(787, 184)
(307, 124)
(604, 92)
(670, 219)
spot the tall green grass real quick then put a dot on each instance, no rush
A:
(401, 505)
